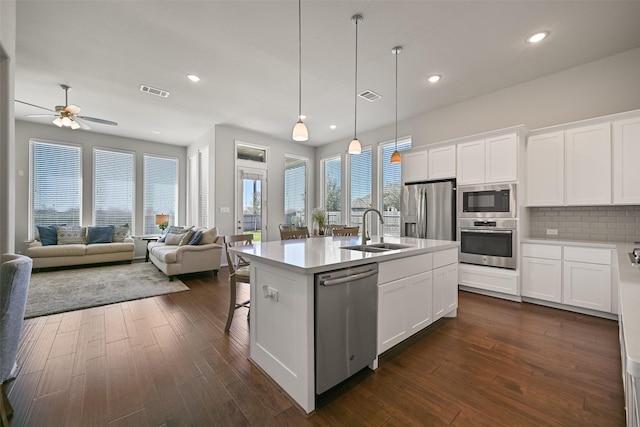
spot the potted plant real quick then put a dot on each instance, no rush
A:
(318, 216)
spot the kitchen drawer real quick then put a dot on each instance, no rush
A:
(405, 267)
(587, 255)
(442, 258)
(542, 251)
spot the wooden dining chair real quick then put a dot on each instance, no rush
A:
(346, 231)
(298, 233)
(239, 272)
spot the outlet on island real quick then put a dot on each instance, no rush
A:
(552, 231)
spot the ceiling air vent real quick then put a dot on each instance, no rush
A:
(369, 95)
(154, 91)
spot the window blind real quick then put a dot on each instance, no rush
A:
(160, 191)
(113, 188)
(295, 190)
(332, 189)
(203, 194)
(391, 186)
(359, 185)
(56, 184)
(192, 190)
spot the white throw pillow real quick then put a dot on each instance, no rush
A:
(209, 236)
(173, 239)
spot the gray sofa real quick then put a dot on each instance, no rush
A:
(66, 254)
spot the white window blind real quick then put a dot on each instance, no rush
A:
(360, 186)
(295, 190)
(332, 189)
(56, 184)
(113, 188)
(192, 190)
(391, 186)
(160, 191)
(203, 195)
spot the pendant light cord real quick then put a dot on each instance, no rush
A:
(299, 60)
(355, 90)
(397, 53)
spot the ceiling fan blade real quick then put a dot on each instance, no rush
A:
(72, 109)
(102, 121)
(82, 124)
(40, 115)
(34, 105)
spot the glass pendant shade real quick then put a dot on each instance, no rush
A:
(355, 147)
(74, 124)
(396, 158)
(58, 122)
(300, 132)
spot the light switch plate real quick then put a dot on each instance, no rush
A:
(552, 231)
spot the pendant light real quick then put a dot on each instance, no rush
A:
(300, 132)
(396, 158)
(354, 146)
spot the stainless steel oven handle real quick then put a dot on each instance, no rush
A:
(471, 230)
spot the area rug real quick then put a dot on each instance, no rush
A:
(58, 291)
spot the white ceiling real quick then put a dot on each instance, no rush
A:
(246, 53)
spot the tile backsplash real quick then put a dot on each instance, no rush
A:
(597, 223)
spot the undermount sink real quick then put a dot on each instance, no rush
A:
(377, 247)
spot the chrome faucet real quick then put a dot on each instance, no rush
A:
(364, 224)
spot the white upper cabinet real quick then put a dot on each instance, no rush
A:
(501, 158)
(626, 161)
(545, 169)
(442, 162)
(588, 165)
(471, 162)
(414, 165)
(488, 160)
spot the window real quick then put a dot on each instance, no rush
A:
(360, 186)
(332, 189)
(56, 184)
(203, 187)
(295, 190)
(113, 187)
(160, 191)
(391, 185)
(192, 190)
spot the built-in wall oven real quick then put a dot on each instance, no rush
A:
(487, 201)
(488, 241)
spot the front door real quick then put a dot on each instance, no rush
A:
(251, 213)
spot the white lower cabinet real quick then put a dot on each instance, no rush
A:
(445, 290)
(569, 275)
(413, 293)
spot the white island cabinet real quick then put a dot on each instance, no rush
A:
(281, 330)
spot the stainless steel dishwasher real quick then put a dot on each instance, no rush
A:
(346, 310)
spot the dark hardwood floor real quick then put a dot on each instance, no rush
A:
(166, 361)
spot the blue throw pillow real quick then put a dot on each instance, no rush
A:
(103, 234)
(48, 234)
(195, 239)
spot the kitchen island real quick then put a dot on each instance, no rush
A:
(417, 284)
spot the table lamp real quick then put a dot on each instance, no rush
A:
(162, 221)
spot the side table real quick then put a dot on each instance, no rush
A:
(148, 239)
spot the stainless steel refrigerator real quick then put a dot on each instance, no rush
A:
(429, 210)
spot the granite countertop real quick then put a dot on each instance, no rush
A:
(628, 277)
(317, 254)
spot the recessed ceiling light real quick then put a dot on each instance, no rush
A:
(332, 127)
(193, 77)
(155, 132)
(537, 37)
(434, 78)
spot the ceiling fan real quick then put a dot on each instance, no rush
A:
(67, 115)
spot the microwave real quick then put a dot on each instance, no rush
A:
(487, 201)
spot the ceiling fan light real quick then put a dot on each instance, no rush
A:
(57, 121)
(66, 121)
(300, 132)
(396, 158)
(355, 147)
(74, 124)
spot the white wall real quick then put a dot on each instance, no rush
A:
(595, 89)
(88, 140)
(7, 130)
(225, 137)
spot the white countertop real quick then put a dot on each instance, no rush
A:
(317, 254)
(629, 291)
